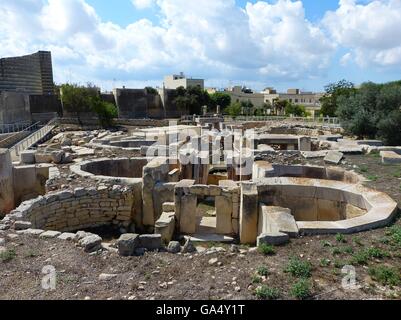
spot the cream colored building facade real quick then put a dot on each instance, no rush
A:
(175, 81)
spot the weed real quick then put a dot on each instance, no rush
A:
(324, 262)
(299, 268)
(385, 275)
(7, 255)
(263, 271)
(266, 293)
(340, 238)
(301, 289)
(256, 279)
(266, 249)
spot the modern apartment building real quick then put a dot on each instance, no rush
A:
(175, 81)
(30, 74)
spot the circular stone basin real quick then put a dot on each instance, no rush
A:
(123, 169)
(324, 206)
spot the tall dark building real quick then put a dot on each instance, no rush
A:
(32, 74)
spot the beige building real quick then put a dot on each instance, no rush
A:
(308, 99)
(242, 94)
(180, 80)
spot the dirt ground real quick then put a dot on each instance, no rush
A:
(234, 275)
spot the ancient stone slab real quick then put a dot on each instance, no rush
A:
(187, 217)
(174, 247)
(91, 243)
(168, 207)
(273, 238)
(28, 156)
(274, 220)
(127, 243)
(22, 225)
(224, 210)
(67, 236)
(390, 157)
(150, 241)
(165, 226)
(249, 214)
(49, 234)
(333, 157)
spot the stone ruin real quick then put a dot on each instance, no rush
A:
(152, 198)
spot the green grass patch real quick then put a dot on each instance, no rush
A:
(385, 275)
(372, 177)
(299, 268)
(7, 255)
(263, 271)
(397, 174)
(256, 279)
(266, 249)
(395, 235)
(357, 241)
(363, 168)
(326, 244)
(362, 257)
(324, 262)
(340, 238)
(301, 289)
(267, 293)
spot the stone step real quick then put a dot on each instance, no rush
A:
(210, 237)
(165, 226)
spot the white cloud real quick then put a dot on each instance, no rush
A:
(370, 30)
(143, 4)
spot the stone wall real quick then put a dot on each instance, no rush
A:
(6, 183)
(79, 209)
(45, 104)
(14, 107)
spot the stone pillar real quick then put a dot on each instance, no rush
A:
(248, 214)
(6, 183)
(305, 144)
(185, 207)
(224, 211)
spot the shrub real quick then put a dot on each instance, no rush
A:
(267, 293)
(385, 275)
(7, 255)
(376, 253)
(256, 279)
(301, 289)
(263, 271)
(360, 257)
(299, 268)
(324, 262)
(395, 233)
(266, 249)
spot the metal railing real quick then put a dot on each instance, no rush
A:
(32, 139)
(16, 136)
(14, 127)
(324, 121)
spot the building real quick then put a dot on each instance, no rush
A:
(30, 74)
(243, 94)
(175, 81)
(310, 100)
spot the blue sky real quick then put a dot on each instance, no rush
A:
(253, 43)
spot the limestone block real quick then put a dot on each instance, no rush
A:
(22, 225)
(165, 226)
(187, 211)
(390, 157)
(67, 236)
(6, 183)
(249, 214)
(333, 157)
(28, 156)
(273, 220)
(223, 215)
(174, 247)
(91, 243)
(49, 234)
(150, 241)
(329, 210)
(304, 144)
(127, 244)
(273, 239)
(200, 190)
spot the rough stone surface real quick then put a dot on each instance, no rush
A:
(22, 225)
(67, 236)
(333, 157)
(188, 246)
(127, 243)
(150, 241)
(174, 247)
(91, 243)
(49, 234)
(273, 239)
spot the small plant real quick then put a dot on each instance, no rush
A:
(397, 174)
(301, 290)
(358, 241)
(32, 254)
(256, 279)
(360, 257)
(348, 249)
(376, 253)
(266, 249)
(339, 264)
(363, 168)
(266, 293)
(372, 177)
(340, 238)
(7, 255)
(263, 271)
(385, 275)
(336, 251)
(326, 244)
(299, 268)
(324, 262)
(395, 233)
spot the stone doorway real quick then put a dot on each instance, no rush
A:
(206, 221)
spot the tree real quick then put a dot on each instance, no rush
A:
(105, 111)
(192, 99)
(77, 99)
(373, 111)
(234, 110)
(295, 110)
(151, 90)
(332, 92)
(247, 107)
(279, 106)
(220, 99)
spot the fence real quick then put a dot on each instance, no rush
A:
(14, 127)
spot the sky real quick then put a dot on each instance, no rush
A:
(274, 43)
